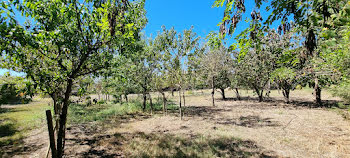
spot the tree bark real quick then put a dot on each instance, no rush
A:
(260, 94)
(180, 109)
(144, 102)
(164, 104)
(150, 102)
(317, 93)
(51, 134)
(286, 95)
(63, 119)
(223, 93)
(183, 96)
(213, 91)
(237, 94)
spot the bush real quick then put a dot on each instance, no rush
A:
(101, 102)
(342, 90)
(9, 95)
(80, 113)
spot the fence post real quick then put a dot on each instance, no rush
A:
(51, 134)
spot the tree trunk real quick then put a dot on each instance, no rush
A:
(150, 102)
(180, 109)
(317, 93)
(63, 120)
(55, 105)
(268, 89)
(126, 97)
(237, 94)
(56, 110)
(261, 98)
(120, 98)
(260, 94)
(223, 93)
(51, 134)
(172, 92)
(183, 96)
(164, 104)
(213, 91)
(286, 95)
(144, 102)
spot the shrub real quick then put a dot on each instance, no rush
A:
(342, 90)
(9, 95)
(101, 102)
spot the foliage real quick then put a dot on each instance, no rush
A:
(342, 90)
(257, 60)
(15, 90)
(65, 40)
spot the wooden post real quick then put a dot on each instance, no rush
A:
(51, 134)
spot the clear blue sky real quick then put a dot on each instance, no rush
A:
(182, 14)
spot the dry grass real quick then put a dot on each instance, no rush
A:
(20, 121)
(231, 129)
(244, 128)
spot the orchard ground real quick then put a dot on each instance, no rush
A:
(232, 128)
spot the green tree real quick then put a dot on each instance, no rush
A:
(186, 43)
(66, 40)
(312, 18)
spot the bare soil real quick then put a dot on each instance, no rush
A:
(232, 128)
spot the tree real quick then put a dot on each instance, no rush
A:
(179, 45)
(67, 40)
(213, 62)
(222, 79)
(288, 70)
(335, 47)
(162, 79)
(122, 81)
(186, 42)
(313, 18)
(255, 60)
(84, 86)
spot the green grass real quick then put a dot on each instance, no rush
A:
(168, 145)
(80, 113)
(17, 121)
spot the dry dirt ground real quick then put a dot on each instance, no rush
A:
(230, 129)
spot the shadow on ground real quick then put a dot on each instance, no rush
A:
(19, 148)
(209, 113)
(293, 102)
(141, 144)
(7, 128)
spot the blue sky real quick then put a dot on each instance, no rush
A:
(182, 14)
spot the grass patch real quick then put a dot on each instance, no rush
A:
(168, 145)
(343, 110)
(81, 113)
(17, 121)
